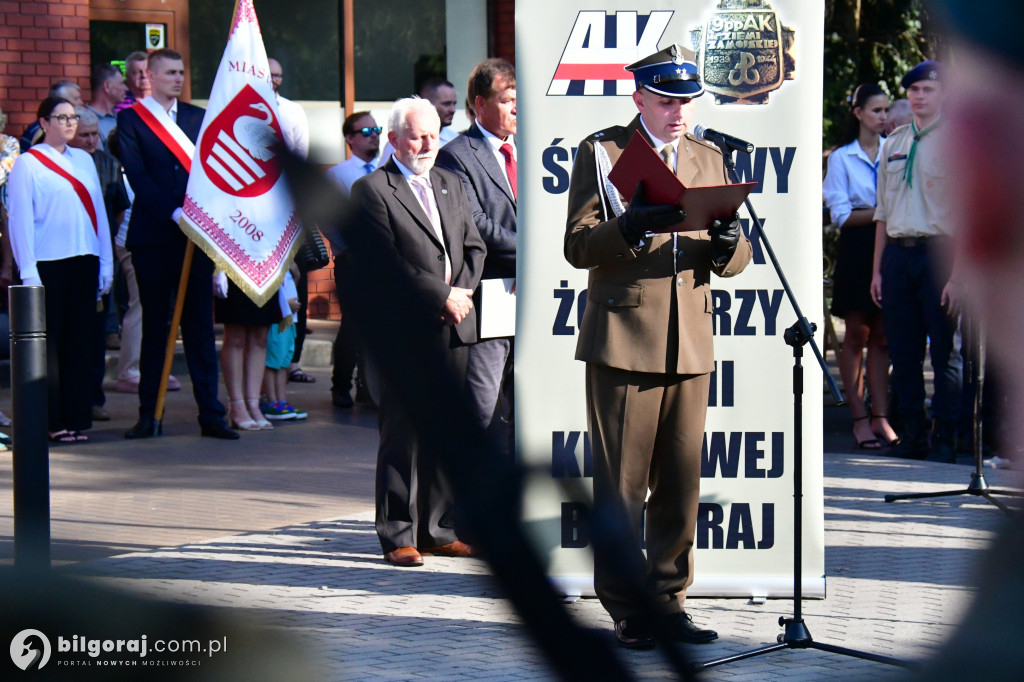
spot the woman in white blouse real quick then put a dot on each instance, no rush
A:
(849, 192)
(60, 238)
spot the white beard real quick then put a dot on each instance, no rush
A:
(420, 164)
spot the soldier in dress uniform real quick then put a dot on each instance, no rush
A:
(646, 337)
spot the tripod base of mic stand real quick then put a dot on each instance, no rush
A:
(797, 636)
(978, 486)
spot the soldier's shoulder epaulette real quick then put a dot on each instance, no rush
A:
(606, 134)
(702, 143)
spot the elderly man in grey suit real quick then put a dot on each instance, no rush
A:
(485, 159)
(413, 222)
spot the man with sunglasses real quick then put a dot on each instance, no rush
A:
(362, 134)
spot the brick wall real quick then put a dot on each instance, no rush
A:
(503, 29)
(40, 42)
(323, 297)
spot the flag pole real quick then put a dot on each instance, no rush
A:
(348, 97)
(172, 339)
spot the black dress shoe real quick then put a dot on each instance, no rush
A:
(681, 628)
(634, 633)
(218, 430)
(342, 400)
(146, 427)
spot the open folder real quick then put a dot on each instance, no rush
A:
(639, 162)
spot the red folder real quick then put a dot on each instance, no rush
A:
(703, 205)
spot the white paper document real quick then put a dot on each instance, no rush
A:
(496, 314)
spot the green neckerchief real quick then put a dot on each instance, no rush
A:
(908, 169)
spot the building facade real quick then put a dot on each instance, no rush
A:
(397, 45)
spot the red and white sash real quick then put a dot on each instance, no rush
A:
(163, 126)
(80, 189)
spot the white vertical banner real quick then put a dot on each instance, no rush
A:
(761, 62)
(237, 206)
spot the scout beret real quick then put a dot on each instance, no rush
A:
(926, 70)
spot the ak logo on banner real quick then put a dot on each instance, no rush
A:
(599, 47)
(743, 50)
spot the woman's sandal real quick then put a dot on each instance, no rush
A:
(297, 376)
(246, 424)
(79, 436)
(262, 421)
(890, 443)
(868, 443)
(62, 436)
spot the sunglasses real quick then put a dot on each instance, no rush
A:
(64, 119)
(370, 131)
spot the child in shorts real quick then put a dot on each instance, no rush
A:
(280, 347)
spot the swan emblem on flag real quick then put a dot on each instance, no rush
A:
(237, 150)
(256, 135)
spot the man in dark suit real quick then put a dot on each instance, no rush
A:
(646, 337)
(413, 223)
(159, 178)
(485, 159)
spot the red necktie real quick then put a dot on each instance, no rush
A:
(510, 167)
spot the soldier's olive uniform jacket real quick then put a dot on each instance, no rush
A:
(628, 322)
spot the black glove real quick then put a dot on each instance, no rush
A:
(640, 218)
(724, 238)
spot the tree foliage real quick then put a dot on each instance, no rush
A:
(871, 41)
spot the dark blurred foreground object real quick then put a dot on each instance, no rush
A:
(63, 607)
(983, 105)
(486, 488)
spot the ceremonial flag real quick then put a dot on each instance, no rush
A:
(237, 206)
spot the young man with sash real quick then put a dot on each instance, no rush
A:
(157, 138)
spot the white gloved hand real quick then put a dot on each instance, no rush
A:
(220, 284)
(106, 281)
(32, 281)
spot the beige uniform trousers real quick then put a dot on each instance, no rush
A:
(646, 432)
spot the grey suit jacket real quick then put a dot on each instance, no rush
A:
(471, 157)
(391, 219)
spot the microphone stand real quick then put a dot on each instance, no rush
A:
(978, 485)
(796, 634)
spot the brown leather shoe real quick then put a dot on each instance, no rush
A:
(634, 633)
(457, 548)
(404, 556)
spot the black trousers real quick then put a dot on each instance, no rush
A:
(157, 271)
(71, 324)
(413, 498)
(346, 344)
(302, 289)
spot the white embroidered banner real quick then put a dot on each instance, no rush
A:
(237, 206)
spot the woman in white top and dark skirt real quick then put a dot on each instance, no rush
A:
(60, 238)
(849, 192)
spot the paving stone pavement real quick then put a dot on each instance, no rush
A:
(290, 514)
(899, 577)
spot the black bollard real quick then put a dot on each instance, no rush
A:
(31, 456)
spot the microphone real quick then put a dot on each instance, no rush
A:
(723, 141)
